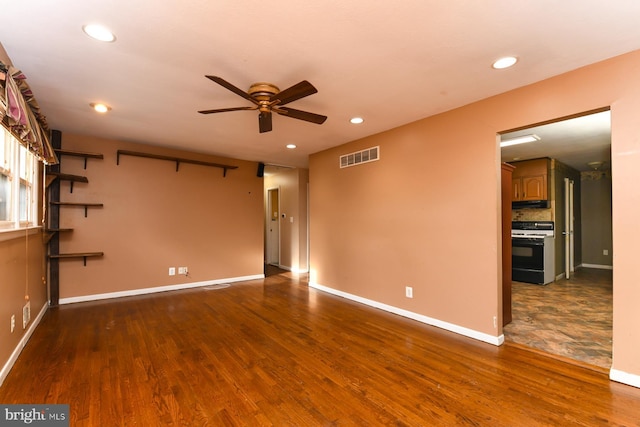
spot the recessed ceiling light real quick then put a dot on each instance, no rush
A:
(291, 146)
(519, 140)
(505, 62)
(100, 107)
(99, 32)
(357, 120)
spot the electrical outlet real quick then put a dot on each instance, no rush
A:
(605, 252)
(172, 271)
(495, 321)
(408, 292)
(26, 315)
(13, 323)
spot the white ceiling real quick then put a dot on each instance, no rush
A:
(576, 142)
(391, 63)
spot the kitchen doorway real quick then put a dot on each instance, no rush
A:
(544, 316)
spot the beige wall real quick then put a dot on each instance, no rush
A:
(155, 218)
(22, 270)
(292, 185)
(596, 218)
(427, 214)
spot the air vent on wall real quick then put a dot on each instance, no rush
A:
(359, 157)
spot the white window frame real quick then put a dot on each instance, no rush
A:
(20, 166)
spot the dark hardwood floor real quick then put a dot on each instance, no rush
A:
(274, 352)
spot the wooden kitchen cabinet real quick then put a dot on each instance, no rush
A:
(530, 180)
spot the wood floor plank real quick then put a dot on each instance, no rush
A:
(275, 352)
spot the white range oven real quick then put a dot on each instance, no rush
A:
(532, 252)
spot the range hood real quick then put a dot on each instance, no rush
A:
(530, 204)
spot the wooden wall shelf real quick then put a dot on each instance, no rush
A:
(79, 154)
(50, 232)
(67, 177)
(83, 255)
(86, 205)
(178, 160)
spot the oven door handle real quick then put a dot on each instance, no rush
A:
(524, 241)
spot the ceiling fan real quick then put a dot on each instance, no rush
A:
(268, 98)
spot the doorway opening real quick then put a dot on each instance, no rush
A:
(272, 240)
(572, 316)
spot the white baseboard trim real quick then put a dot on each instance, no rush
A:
(144, 291)
(23, 342)
(624, 378)
(293, 270)
(471, 333)
(600, 266)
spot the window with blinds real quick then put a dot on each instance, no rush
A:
(18, 187)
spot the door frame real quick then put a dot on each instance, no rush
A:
(272, 243)
(568, 233)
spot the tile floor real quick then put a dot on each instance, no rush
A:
(569, 318)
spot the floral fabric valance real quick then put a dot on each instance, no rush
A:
(20, 112)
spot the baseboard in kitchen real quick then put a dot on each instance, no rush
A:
(599, 266)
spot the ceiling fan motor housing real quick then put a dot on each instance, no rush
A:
(262, 92)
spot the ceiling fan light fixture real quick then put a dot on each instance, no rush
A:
(100, 107)
(505, 62)
(356, 120)
(268, 99)
(99, 32)
(595, 165)
(519, 140)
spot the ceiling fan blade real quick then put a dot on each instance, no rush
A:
(224, 110)
(301, 115)
(264, 122)
(222, 82)
(297, 91)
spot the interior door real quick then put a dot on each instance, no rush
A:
(273, 226)
(569, 229)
